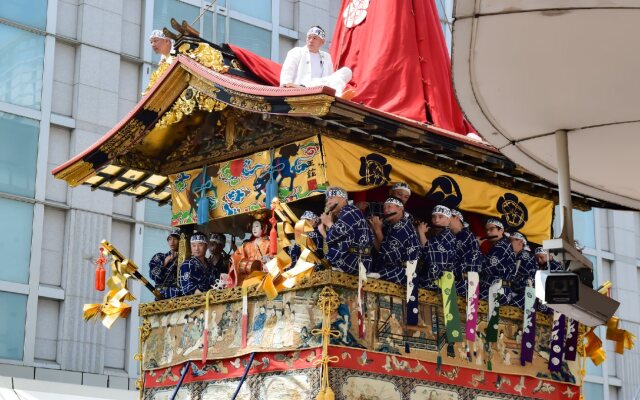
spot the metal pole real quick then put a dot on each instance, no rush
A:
(564, 185)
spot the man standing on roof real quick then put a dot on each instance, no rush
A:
(525, 268)
(500, 261)
(162, 45)
(163, 266)
(468, 256)
(348, 239)
(309, 66)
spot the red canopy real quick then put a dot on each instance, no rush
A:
(400, 61)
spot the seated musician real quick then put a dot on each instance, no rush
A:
(468, 256)
(314, 235)
(500, 260)
(399, 190)
(217, 256)
(347, 235)
(395, 240)
(525, 268)
(163, 267)
(439, 245)
(195, 275)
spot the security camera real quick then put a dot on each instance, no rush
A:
(571, 292)
(563, 292)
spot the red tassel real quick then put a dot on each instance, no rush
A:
(100, 273)
(273, 235)
(99, 278)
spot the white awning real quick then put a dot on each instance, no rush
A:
(29, 389)
(524, 69)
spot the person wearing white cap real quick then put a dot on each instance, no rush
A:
(546, 261)
(500, 260)
(349, 239)
(439, 244)
(309, 66)
(314, 235)
(196, 275)
(525, 268)
(396, 241)
(468, 255)
(161, 45)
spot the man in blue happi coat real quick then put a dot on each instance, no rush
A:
(499, 262)
(468, 256)
(163, 267)
(395, 240)
(348, 238)
(196, 275)
(314, 235)
(526, 267)
(439, 246)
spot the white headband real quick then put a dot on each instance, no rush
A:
(316, 30)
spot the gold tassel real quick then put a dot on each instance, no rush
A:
(328, 302)
(184, 251)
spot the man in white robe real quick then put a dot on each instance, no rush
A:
(309, 66)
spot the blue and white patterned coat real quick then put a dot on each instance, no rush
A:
(400, 244)
(526, 268)
(348, 239)
(468, 258)
(163, 277)
(439, 255)
(499, 263)
(193, 275)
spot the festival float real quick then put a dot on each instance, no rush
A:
(216, 141)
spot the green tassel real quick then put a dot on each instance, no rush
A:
(439, 362)
(489, 366)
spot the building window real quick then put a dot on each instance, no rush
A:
(15, 240)
(13, 314)
(34, 15)
(250, 37)
(584, 228)
(21, 65)
(18, 154)
(155, 241)
(260, 9)
(157, 214)
(593, 391)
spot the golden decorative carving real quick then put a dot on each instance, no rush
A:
(121, 142)
(164, 96)
(155, 75)
(324, 278)
(249, 102)
(205, 55)
(76, 173)
(317, 105)
(236, 64)
(188, 100)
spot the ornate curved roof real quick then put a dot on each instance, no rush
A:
(205, 108)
